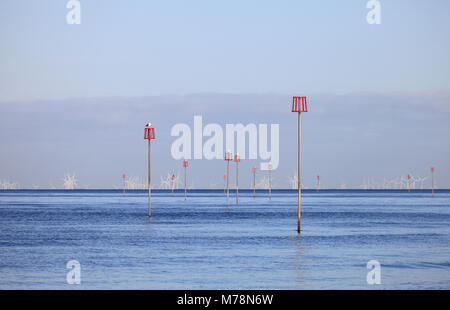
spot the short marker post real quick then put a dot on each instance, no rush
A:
(254, 182)
(173, 182)
(237, 159)
(123, 183)
(228, 158)
(185, 165)
(270, 181)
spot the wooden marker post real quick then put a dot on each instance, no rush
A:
(299, 170)
(149, 181)
(299, 106)
(149, 135)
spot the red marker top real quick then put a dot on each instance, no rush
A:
(299, 104)
(228, 156)
(149, 133)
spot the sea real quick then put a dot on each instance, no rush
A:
(350, 239)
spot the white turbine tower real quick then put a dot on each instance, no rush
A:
(422, 180)
(293, 181)
(165, 183)
(4, 184)
(168, 182)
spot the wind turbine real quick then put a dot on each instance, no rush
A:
(70, 182)
(293, 181)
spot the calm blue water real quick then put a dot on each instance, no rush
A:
(202, 245)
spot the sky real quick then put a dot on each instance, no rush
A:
(75, 98)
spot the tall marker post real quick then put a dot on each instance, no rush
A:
(228, 158)
(185, 165)
(254, 182)
(299, 106)
(318, 183)
(123, 183)
(432, 181)
(237, 159)
(149, 135)
(270, 181)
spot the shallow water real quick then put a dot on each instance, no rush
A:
(200, 244)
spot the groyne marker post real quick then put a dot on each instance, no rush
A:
(149, 135)
(254, 182)
(185, 165)
(123, 183)
(270, 181)
(298, 106)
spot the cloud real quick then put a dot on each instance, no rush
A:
(345, 137)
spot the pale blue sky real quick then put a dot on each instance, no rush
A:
(137, 48)
(75, 98)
